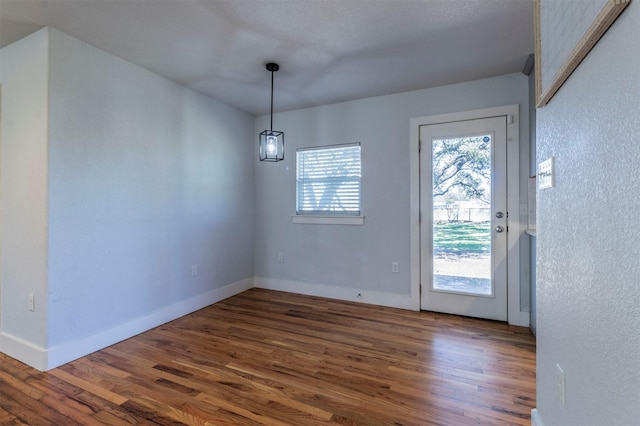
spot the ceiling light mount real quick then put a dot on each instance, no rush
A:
(273, 67)
(271, 142)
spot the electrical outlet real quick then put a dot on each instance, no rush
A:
(32, 302)
(560, 392)
(394, 267)
(194, 270)
(280, 257)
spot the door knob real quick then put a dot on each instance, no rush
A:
(499, 228)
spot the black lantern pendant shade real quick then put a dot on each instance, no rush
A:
(271, 141)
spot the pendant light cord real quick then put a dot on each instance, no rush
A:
(271, 127)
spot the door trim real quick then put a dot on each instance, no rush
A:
(516, 227)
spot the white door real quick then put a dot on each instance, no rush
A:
(463, 231)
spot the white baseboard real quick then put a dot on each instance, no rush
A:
(43, 359)
(46, 359)
(522, 320)
(340, 293)
(535, 418)
(23, 351)
(67, 352)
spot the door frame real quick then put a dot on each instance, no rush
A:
(515, 224)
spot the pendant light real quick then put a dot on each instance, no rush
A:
(271, 141)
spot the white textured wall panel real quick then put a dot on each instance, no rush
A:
(588, 245)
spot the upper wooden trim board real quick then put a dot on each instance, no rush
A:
(571, 29)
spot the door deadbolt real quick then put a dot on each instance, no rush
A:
(499, 215)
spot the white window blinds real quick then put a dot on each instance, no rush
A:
(328, 180)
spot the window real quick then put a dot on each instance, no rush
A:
(328, 180)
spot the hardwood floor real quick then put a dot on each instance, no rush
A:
(273, 358)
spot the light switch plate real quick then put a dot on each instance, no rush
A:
(546, 173)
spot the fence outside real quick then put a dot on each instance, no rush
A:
(461, 214)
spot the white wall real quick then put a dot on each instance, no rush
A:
(145, 179)
(588, 292)
(344, 261)
(23, 176)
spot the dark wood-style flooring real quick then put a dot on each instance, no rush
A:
(273, 358)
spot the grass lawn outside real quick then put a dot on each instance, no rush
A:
(462, 257)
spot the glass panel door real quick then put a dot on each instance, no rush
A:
(463, 195)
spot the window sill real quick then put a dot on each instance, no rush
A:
(328, 220)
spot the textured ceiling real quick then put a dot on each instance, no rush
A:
(328, 50)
